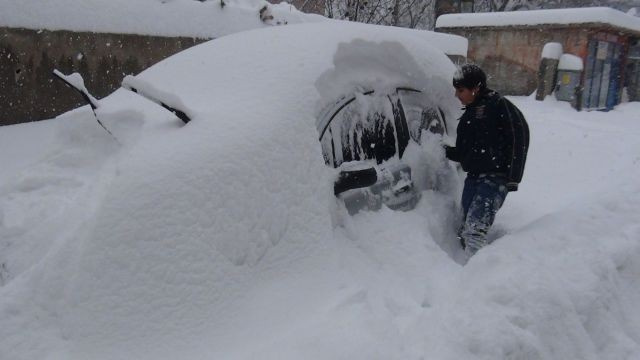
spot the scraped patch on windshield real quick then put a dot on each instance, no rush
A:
(388, 66)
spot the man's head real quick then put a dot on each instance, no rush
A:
(469, 80)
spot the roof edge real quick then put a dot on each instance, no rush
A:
(601, 16)
(586, 26)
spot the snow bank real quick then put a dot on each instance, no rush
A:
(17, 153)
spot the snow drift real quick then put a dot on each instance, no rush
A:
(216, 240)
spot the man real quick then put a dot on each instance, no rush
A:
(491, 145)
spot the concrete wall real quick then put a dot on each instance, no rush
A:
(511, 56)
(28, 90)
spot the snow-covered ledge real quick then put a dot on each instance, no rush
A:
(171, 18)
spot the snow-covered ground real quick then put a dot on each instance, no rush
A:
(218, 239)
(561, 280)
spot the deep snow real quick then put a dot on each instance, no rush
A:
(561, 281)
(220, 240)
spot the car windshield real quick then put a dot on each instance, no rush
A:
(366, 128)
(371, 126)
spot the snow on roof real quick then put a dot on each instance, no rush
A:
(187, 18)
(601, 15)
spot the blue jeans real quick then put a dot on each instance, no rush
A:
(482, 197)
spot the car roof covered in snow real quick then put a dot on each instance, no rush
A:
(595, 15)
(284, 65)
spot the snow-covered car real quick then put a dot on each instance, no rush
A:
(217, 240)
(374, 102)
(171, 239)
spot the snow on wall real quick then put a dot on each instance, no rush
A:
(186, 18)
(599, 15)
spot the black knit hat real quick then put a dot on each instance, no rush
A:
(469, 76)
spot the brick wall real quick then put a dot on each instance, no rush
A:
(511, 56)
(28, 91)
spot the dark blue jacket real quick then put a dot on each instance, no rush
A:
(493, 138)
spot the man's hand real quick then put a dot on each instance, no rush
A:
(450, 152)
(512, 186)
